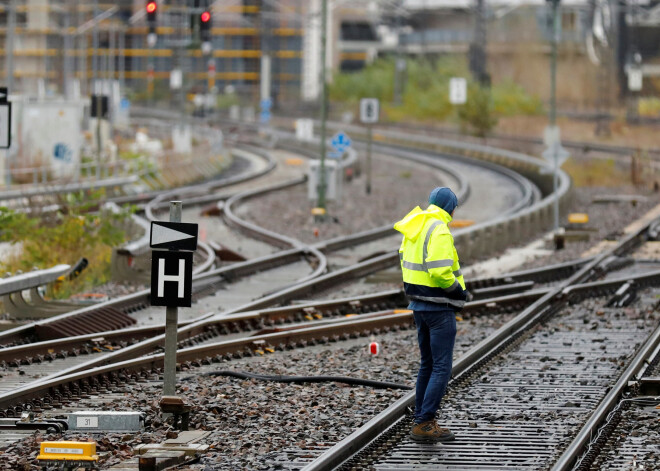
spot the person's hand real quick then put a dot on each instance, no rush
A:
(457, 293)
(468, 296)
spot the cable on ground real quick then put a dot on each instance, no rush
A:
(305, 379)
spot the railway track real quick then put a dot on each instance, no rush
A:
(505, 140)
(137, 361)
(104, 381)
(518, 398)
(137, 303)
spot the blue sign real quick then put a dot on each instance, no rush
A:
(265, 116)
(334, 155)
(340, 142)
(62, 152)
(266, 104)
(125, 104)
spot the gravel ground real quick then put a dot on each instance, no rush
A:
(259, 425)
(397, 187)
(608, 219)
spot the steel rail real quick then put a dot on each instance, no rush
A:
(508, 228)
(262, 317)
(209, 259)
(270, 236)
(204, 322)
(584, 146)
(359, 439)
(245, 321)
(213, 185)
(283, 314)
(576, 447)
(529, 192)
(138, 247)
(80, 379)
(250, 266)
(462, 192)
(385, 260)
(141, 298)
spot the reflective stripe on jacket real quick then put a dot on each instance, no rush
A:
(429, 262)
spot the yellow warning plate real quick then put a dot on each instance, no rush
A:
(578, 218)
(68, 451)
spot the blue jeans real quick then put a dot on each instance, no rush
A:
(436, 332)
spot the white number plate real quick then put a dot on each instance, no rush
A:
(87, 422)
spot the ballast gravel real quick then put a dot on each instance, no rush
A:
(265, 425)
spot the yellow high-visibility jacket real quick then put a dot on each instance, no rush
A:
(429, 261)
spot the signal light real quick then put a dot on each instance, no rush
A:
(152, 6)
(205, 27)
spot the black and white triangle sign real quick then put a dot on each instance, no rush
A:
(173, 235)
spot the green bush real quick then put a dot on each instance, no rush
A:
(477, 115)
(375, 81)
(510, 99)
(426, 94)
(65, 237)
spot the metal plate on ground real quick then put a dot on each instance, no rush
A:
(129, 421)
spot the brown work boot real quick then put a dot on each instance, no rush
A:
(430, 432)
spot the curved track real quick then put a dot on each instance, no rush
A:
(136, 303)
(129, 362)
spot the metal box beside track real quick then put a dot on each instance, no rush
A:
(332, 179)
(68, 454)
(119, 421)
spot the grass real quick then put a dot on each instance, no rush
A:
(596, 172)
(65, 237)
(426, 94)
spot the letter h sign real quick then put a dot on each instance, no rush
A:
(172, 285)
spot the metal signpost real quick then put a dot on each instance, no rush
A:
(324, 98)
(369, 113)
(5, 119)
(171, 280)
(554, 148)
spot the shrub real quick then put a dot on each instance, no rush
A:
(477, 114)
(64, 237)
(426, 94)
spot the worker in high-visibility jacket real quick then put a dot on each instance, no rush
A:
(433, 282)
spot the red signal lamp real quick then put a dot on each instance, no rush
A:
(205, 17)
(151, 7)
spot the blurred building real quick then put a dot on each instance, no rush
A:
(59, 48)
(57, 41)
(600, 41)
